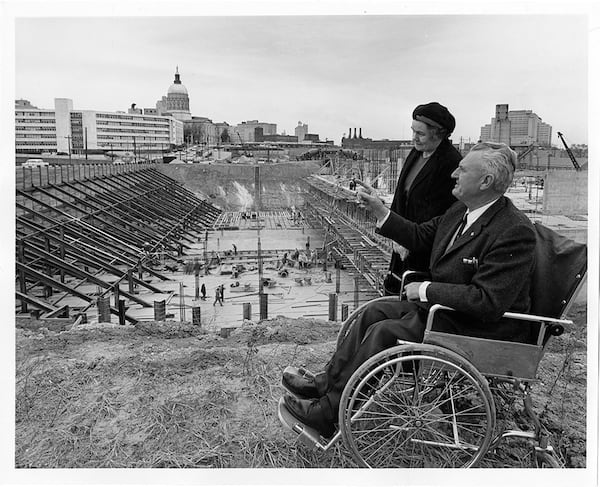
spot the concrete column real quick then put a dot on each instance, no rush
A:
(197, 316)
(103, 304)
(247, 312)
(264, 305)
(332, 307)
(160, 310)
(121, 312)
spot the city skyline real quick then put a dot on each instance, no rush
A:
(331, 72)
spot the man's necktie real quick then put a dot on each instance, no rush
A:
(460, 229)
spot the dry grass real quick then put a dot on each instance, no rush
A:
(168, 395)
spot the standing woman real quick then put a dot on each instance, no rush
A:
(424, 188)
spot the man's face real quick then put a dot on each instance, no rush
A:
(469, 177)
(424, 138)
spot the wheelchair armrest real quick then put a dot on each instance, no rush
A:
(432, 311)
(556, 325)
(550, 326)
(527, 317)
(410, 276)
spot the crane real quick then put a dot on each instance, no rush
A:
(526, 151)
(246, 152)
(571, 156)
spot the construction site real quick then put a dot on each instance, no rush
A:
(128, 243)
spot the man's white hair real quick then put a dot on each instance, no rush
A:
(500, 160)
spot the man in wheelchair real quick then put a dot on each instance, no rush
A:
(481, 260)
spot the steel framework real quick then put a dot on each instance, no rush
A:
(102, 228)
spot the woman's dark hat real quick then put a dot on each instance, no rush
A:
(436, 115)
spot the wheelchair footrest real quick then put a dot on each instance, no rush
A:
(308, 436)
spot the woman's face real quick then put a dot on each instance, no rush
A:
(424, 138)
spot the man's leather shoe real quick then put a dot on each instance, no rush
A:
(301, 382)
(311, 413)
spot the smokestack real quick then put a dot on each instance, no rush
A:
(354, 133)
(360, 133)
(349, 133)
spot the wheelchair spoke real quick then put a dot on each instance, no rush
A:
(416, 411)
(383, 441)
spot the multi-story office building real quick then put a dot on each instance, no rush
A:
(244, 132)
(486, 132)
(517, 128)
(35, 129)
(66, 130)
(202, 130)
(527, 128)
(544, 134)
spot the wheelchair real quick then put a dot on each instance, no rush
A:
(433, 404)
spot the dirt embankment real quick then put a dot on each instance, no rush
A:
(169, 395)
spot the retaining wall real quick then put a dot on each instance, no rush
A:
(232, 186)
(566, 192)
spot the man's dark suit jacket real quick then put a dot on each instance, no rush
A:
(430, 195)
(485, 273)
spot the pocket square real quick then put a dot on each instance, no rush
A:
(471, 261)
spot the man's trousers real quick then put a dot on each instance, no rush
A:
(377, 328)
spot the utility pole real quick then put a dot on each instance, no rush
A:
(260, 265)
(86, 144)
(134, 151)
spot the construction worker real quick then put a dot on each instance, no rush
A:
(218, 298)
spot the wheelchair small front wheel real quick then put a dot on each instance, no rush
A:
(417, 406)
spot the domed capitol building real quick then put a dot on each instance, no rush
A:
(177, 101)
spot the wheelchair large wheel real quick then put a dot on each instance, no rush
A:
(546, 460)
(349, 322)
(417, 405)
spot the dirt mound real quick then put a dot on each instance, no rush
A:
(169, 394)
(281, 329)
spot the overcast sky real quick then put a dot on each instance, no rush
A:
(329, 71)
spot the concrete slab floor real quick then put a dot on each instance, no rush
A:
(303, 293)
